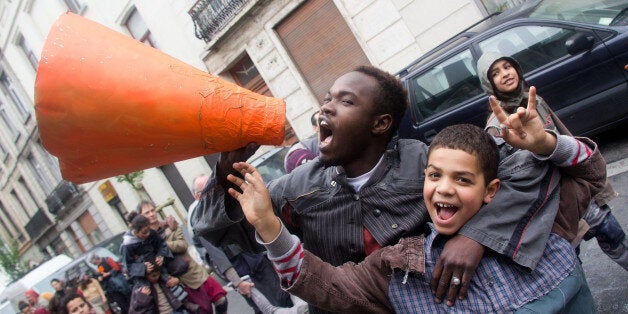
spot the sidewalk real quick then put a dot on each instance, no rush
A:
(607, 280)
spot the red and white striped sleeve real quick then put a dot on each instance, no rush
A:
(286, 253)
(569, 152)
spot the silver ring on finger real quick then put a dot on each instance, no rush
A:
(455, 281)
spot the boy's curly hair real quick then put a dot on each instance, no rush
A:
(473, 140)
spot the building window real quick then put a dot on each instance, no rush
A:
(138, 29)
(10, 90)
(59, 247)
(40, 173)
(74, 6)
(29, 192)
(90, 228)
(15, 134)
(19, 201)
(52, 163)
(116, 203)
(28, 52)
(245, 72)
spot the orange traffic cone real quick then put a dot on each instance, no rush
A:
(108, 105)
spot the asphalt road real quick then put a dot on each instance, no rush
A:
(607, 280)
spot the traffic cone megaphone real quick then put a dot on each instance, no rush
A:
(108, 105)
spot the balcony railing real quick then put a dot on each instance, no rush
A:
(38, 224)
(211, 16)
(62, 197)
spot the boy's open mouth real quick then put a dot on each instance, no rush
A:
(445, 211)
(325, 133)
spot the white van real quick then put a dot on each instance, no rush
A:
(37, 279)
(6, 308)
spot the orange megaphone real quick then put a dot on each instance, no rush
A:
(108, 105)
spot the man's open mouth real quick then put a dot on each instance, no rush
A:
(325, 133)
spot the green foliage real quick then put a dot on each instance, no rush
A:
(133, 178)
(10, 260)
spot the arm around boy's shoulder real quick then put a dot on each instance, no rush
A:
(350, 288)
(358, 288)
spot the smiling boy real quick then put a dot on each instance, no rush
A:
(459, 179)
(461, 176)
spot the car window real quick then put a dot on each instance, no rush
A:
(532, 46)
(271, 164)
(597, 12)
(446, 85)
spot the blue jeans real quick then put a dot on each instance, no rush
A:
(571, 296)
(608, 232)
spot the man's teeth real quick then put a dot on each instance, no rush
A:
(323, 123)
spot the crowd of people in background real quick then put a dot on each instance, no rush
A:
(157, 274)
(87, 296)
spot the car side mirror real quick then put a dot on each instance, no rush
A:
(578, 43)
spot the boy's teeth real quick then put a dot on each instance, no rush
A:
(443, 205)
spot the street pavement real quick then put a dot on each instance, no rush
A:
(607, 280)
